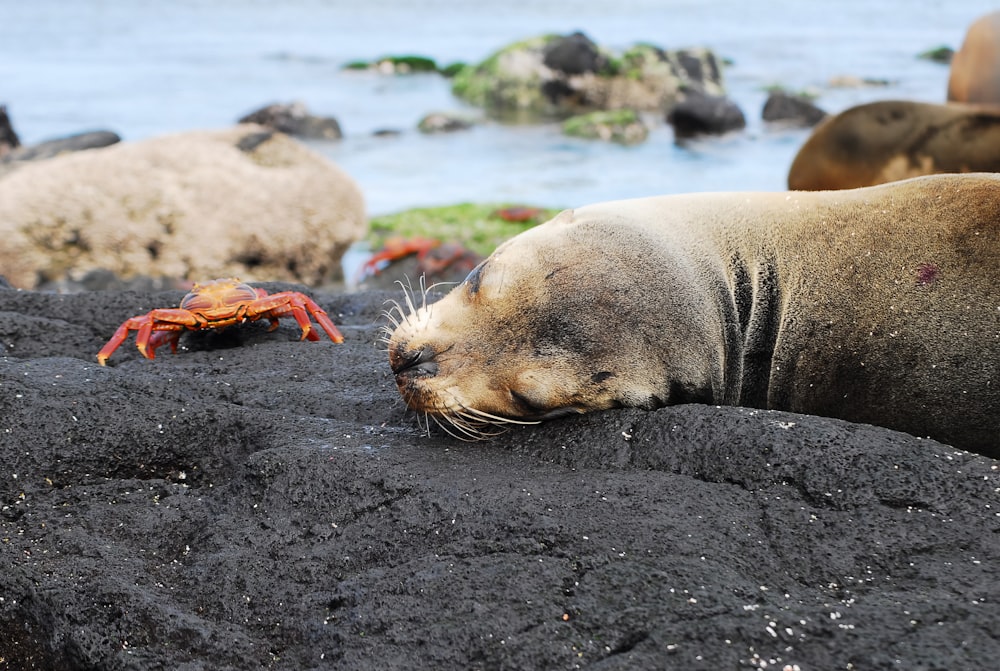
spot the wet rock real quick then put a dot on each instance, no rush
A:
(791, 109)
(244, 201)
(8, 138)
(443, 122)
(575, 54)
(22, 155)
(705, 115)
(855, 82)
(294, 119)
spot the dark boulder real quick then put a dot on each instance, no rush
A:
(52, 148)
(700, 114)
(574, 54)
(791, 109)
(295, 120)
(8, 138)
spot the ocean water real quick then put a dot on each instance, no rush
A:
(149, 67)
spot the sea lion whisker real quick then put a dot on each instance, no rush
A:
(383, 339)
(426, 426)
(470, 434)
(407, 291)
(498, 418)
(479, 424)
(390, 314)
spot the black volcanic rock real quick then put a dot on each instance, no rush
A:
(256, 501)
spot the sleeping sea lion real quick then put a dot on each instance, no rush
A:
(878, 305)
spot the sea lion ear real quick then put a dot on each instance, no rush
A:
(474, 278)
(564, 218)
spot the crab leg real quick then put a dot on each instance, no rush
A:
(118, 338)
(148, 326)
(160, 334)
(300, 307)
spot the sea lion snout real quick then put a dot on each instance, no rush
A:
(410, 363)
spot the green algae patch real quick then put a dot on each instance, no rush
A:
(401, 64)
(941, 54)
(477, 226)
(622, 126)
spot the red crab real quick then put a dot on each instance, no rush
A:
(433, 256)
(215, 305)
(396, 248)
(519, 213)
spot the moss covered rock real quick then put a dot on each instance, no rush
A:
(510, 80)
(554, 75)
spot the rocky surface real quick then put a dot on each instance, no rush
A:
(259, 502)
(241, 201)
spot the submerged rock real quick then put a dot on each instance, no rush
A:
(443, 122)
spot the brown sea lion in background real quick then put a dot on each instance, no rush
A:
(975, 68)
(891, 140)
(877, 305)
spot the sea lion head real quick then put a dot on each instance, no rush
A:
(561, 319)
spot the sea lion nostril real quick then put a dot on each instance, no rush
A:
(422, 357)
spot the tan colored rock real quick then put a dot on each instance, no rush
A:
(243, 201)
